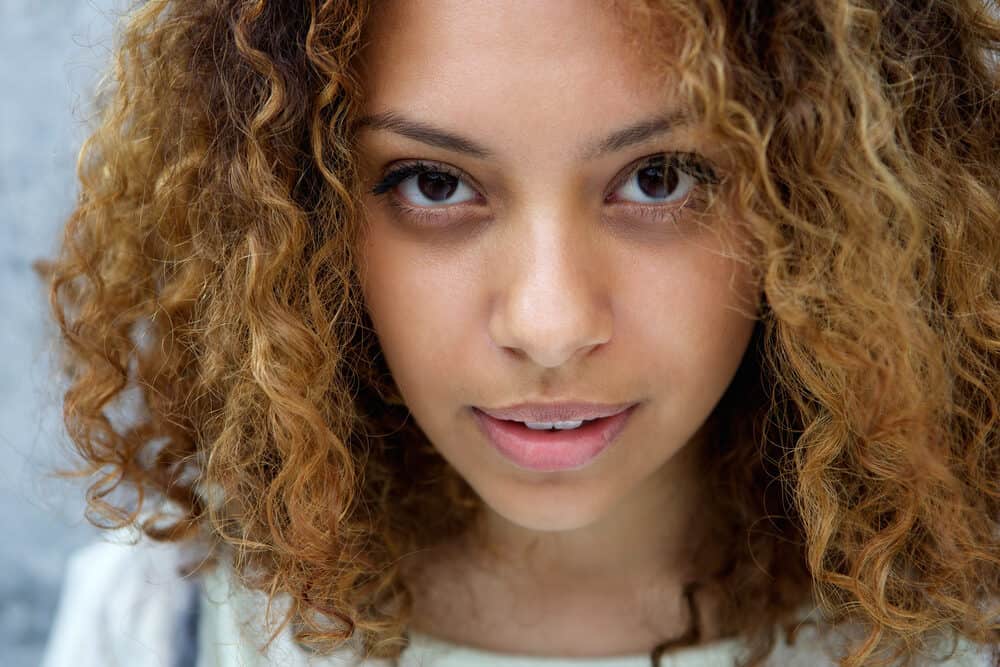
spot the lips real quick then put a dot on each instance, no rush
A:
(550, 451)
(555, 412)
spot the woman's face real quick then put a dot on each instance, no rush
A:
(540, 258)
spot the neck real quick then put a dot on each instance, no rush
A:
(626, 573)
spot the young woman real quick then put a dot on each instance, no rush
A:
(562, 332)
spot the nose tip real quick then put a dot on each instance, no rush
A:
(551, 330)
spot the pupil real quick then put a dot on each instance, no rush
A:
(436, 186)
(655, 182)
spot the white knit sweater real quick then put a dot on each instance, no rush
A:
(125, 606)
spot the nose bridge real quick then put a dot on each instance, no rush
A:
(554, 300)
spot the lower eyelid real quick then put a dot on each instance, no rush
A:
(434, 213)
(696, 200)
(444, 215)
(652, 211)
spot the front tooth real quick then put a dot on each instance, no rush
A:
(562, 426)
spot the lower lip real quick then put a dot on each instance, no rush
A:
(550, 451)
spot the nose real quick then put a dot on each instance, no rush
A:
(553, 300)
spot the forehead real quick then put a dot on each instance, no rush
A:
(565, 68)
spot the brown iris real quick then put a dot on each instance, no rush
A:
(436, 186)
(657, 181)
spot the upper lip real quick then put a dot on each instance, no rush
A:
(556, 412)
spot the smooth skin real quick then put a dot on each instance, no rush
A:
(543, 274)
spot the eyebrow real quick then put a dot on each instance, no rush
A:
(426, 133)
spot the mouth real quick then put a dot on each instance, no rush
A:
(566, 446)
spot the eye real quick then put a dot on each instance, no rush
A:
(425, 185)
(430, 192)
(656, 181)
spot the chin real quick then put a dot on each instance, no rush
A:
(548, 505)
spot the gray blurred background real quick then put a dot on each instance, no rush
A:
(52, 53)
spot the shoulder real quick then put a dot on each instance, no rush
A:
(132, 604)
(818, 643)
(236, 622)
(123, 604)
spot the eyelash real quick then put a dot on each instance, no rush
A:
(691, 164)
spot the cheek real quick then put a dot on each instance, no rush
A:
(693, 315)
(421, 306)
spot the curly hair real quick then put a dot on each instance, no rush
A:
(208, 273)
